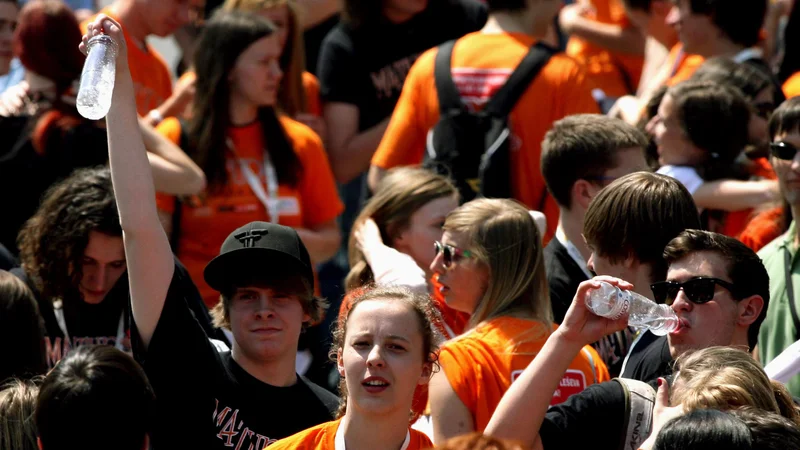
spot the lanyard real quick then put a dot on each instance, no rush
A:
(573, 251)
(58, 310)
(339, 441)
(267, 198)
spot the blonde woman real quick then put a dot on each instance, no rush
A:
(490, 265)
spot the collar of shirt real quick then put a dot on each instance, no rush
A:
(572, 251)
(340, 445)
(748, 54)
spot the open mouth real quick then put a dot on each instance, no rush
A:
(375, 385)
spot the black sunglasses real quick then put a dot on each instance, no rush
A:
(450, 253)
(783, 150)
(698, 290)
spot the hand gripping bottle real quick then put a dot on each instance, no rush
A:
(97, 78)
(612, 302)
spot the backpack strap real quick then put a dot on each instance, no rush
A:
(640, 398)
(517, 83)
(449, 97)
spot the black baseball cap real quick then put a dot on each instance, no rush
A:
(256, 249)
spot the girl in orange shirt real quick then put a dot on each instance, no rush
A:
(385, 346)
(260, 164)
(490, 265)
(392, 239)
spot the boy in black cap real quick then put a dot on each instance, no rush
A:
(243, 399)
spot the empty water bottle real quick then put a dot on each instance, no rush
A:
(612, 302)
(97, 78)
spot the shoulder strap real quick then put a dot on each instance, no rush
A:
(640, 398)
(449, 97)
(517, 83)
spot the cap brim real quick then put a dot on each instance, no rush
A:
(249, 262)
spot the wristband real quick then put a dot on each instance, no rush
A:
(156, 116)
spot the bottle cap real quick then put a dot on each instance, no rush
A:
(104, 39)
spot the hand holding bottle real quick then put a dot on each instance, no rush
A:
(583, 327)
(107, 55)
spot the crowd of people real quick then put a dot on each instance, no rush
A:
(377, 224)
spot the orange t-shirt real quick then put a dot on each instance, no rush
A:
(152, 80)
(736, 222)
(616, 73)
(683, 65)
(481, 65)
(323, 437)
(310, 86)
(206, 222)
(791, 88)
(763, 229)
(481, 364)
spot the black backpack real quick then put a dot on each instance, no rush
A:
(472, 148)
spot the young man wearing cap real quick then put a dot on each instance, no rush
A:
(243, 399)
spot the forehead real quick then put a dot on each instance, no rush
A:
(437, 207)
(8, 11)
(698, 264)
(266, 46)
(454, 238)
(385, 317)
(791, 138)
(104, 247)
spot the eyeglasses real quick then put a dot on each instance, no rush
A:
(783, 150)
(698, 290)
(764, 109)
(450, 254)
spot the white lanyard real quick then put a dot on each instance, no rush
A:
(268, 199)
(338, 443)
(58, 310)
(572, 251)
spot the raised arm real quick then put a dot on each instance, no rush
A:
(147, 250)
(520, 413)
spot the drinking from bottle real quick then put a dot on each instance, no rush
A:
(612, 302)
(97, 78)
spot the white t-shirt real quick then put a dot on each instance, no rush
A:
(688, 176)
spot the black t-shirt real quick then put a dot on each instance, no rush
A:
(650, 359)
(591, 419)
(366, 67)
(563, 277)
(106, 323)
(217, 403)
(85, 324)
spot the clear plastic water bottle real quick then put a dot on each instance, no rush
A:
(612, 302)
(97, 78)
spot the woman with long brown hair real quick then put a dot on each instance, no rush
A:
(261, 165)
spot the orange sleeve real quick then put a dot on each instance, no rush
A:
(791, 88)
(317, 186)
(456, 362)
(403, 144)
(170, 128)
(311, 86)
(762, 229)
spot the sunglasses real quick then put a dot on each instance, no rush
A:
(764, 109)
(450, 254)
(783, 150)
(698, 290)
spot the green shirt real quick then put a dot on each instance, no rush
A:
(778, 330)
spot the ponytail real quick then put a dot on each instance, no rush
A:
(785, 402)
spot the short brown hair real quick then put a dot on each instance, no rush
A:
(745, 268)
(638, 215)
(584, 146)
(294, 284)
(20, 321)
